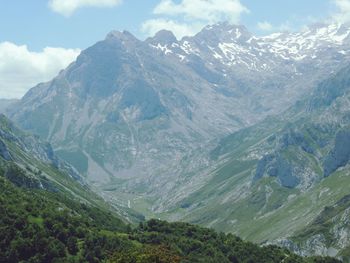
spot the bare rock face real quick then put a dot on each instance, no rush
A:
(126, 105)
(340, 155)
(31, 145)
(277, 166)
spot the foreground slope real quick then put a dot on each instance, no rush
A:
(39, 226)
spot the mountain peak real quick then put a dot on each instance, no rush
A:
(124, 36)
(224, 32)
(225, 26)
(163, 37)
(333, 32)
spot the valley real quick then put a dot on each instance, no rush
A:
(244, 134)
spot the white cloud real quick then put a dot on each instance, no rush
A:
(189, 16)
(207, 10)
(151, 27)
(68, 7)
(286, 26)
(21, 69)
(343, 14)
(265, 26)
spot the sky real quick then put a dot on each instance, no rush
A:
(38, 38)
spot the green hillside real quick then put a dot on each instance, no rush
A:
(39, 226)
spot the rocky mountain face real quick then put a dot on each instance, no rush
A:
(17, 148)
(142, 120)
(130, 108)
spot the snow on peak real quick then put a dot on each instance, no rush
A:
(231, 45)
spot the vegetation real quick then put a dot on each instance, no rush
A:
(41, 226)
(38, 226)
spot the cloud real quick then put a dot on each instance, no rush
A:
(21, 69)
(179, 29)
(188, 16)
(343, 14)
(68, 7)
(211, 11)
(287, 26)
(265, 26)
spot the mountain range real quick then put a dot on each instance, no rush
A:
(225, 129)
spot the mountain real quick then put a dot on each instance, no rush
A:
(131, 113)
(284, 180)
(193, 129)
(5, 103)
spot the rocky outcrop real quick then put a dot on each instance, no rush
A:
(33, 146)
(339, 155)
(295, 138)
(279, 167)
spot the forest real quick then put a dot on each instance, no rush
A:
(41, 226)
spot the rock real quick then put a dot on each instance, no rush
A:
(277, 166)
(262, 166)
(296, 138)
(284, 171)
(163, 37)
(340, 155)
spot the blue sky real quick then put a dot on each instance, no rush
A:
(40, 37)
(33, 23)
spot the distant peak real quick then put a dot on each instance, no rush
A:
(163, 37)
(125, 35)
(224, 31)
(333, 32)
(328, 26)
(225, 26)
